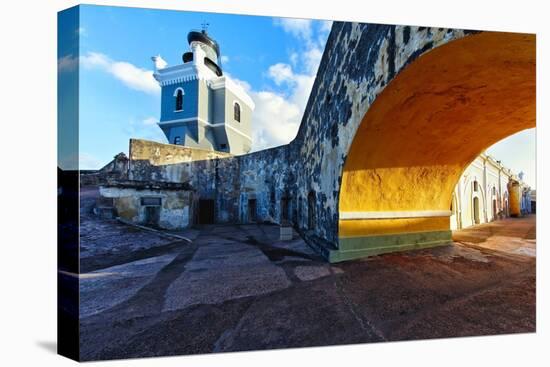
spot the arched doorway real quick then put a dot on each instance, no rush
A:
(421, 132)
(455, 214)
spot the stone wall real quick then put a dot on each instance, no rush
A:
(358, 62)
(117, 169)
(151, 161)
(174, 212)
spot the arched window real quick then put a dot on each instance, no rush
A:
(475, 186)
(179, 99)
(177, 140)
(237, 112)
(494, 190)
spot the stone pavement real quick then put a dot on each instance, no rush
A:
(511, 235)
(238, 288)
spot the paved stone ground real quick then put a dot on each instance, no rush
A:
(105, 243)
(508, 235)
(238, 288)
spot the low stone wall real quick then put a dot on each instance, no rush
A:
(301, 180)
(231, 181)
(117, 169)
(152, 161)
(175, 205)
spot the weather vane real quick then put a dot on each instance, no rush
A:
(204, 26)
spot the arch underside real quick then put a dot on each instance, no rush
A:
(422, 131)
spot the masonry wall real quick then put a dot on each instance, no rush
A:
(176, 209)
(151, 161)
(228, 180)
(358, 62)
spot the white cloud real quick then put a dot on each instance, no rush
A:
(302, 89)
(300, 28)
(150, 121)
(281, 73)
(312, 58)
(276, 120)
(224, 59)
(278, 114)
(67, 63)
(130, 75)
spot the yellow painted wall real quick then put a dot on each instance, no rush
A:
(431, 121)
(515, 195)
(356, 228)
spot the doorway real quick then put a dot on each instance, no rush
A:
(476, 210)
(206, 211)
(284, 209)
(252, 210)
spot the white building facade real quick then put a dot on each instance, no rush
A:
(488, 191)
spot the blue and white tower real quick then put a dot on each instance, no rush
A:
(201, 107)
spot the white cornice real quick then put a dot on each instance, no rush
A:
(183, 73)
(394, 214)
(191, 71)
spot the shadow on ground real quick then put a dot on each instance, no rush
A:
(239, 288)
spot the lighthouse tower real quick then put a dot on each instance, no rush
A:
(200, 106)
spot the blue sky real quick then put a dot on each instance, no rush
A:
(275, 59)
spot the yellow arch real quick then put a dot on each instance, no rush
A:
(422, 131)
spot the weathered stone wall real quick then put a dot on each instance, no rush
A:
(358, 62)
(117, 169)
(230, 181)
(151, 161)
(176, 210)
(266, 177)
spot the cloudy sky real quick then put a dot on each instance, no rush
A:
(275, 59)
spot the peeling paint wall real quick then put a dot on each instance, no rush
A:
(175, 209)
(358, 62)
(151, 161)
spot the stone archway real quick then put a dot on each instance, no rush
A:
(420, 133)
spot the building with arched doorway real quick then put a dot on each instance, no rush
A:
(481, 194)
(390, 140)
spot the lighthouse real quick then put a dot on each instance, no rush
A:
(200, 106)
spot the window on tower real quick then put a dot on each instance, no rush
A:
(179, 99)
(237, 112)
(177, 140)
